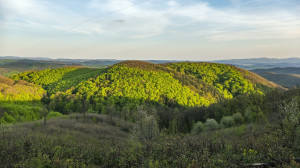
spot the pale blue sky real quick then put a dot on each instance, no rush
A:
(150, 29)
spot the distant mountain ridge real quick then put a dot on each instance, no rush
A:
(80, 61)
(262, 63)
(249, 64)
(287, 77)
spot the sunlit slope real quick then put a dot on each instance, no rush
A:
(126, 84)
(132, 83)
(19, 101)
(61, 79)
(229, 80)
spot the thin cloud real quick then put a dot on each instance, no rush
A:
(143, 19)
(176, 28)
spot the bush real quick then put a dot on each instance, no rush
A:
(53, 114)
(227, 122)
(198, 127)
(211, 125)
(248, 115)
(238, 118)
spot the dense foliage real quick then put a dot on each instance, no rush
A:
(224, 77)
(103, 141)
(61, 79)
(19, 101)
(120, 89)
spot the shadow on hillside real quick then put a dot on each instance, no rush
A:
(20, 111)
(73, 78)
(168, 111)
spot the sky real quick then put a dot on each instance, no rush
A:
(150, 29)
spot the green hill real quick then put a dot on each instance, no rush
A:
(133, 83)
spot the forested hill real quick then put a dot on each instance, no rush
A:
(131, 83)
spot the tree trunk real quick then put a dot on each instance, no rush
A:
(45, 119)
(84, 115)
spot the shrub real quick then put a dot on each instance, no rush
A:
(198, 127)
(291, 121)
(211, 125)
(254, 113)
(53, 114)
(227, 122)
(238, 118)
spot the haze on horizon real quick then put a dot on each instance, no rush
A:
(150, 29)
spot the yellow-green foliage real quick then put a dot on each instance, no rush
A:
(44, 77)
(224, 77)
(132, 83)
(121, 81)
(61, 79)
(19, 101)
(129, 86)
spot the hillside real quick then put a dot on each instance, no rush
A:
(147, 115)
(133, 83)
(61, 79)
(229, 79)
(19, 101)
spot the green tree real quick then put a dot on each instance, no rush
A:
(227, 122)
(85, 106)
(211, 125)
(125, 113)
(238, 118)
(46, 109)
(291, 120)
